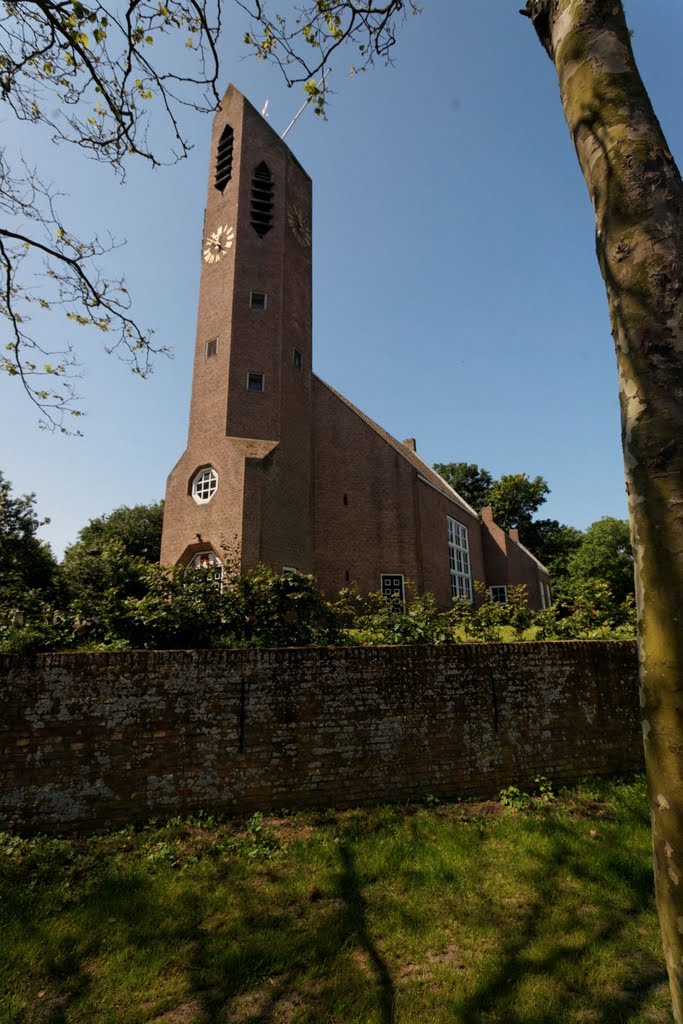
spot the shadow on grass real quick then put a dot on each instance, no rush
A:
(257, 980)
(542, 945)
(524, 919)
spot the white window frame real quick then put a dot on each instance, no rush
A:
(459, 560)
(499, 586)
(289, 570)
(214, 568)
(214, 560)
(202, 490)
(546, 596)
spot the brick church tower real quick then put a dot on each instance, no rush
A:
(244, 481)
(279, 467)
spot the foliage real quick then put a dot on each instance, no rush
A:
(127, 603)
(490, 621)
(26, 562)
(120, 601)
(605, 554)
(301, 42)
(110, 593)
(588, 613)
(515, 799)
(91, 74)
(138, 529)
(371, 620)
(440, 913)
(269, 609)
(515, 498)
(470, 481)
(570, 556)
(553, 543)
(586, 609)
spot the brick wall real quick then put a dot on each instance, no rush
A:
(93, 740)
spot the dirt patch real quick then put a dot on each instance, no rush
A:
(591, 809)
(484, 809)
(273, 1002)
(420, 970)
(189, 1012)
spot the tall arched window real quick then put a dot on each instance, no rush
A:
(224, 158)
(262, 200)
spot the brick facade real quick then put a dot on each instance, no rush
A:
(305, 480)
(95, 740)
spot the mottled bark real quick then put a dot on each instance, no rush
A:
(637, 194)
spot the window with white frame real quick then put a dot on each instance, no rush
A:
(459, 560)
(205, 560)
(499, 595)
(204, 485)
(210, 563)
(546, 599)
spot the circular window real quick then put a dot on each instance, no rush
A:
(204, 486)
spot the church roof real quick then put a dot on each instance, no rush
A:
(424, 470)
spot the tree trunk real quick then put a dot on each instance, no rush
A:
(637, 195)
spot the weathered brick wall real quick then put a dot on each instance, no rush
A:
(92, 740)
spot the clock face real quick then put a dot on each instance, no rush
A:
(218, 243)
(300, 229)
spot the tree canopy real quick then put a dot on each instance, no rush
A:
(470, 481)
(137, 529)
(605, 553)
(26, 562)
(514, 497)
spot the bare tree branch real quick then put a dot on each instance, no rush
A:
(89, 73)
(302, 44)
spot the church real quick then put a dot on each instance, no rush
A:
(280, 468)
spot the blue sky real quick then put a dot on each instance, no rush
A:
(457, 297)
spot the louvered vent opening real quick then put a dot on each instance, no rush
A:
(262, 201)
(224, 158)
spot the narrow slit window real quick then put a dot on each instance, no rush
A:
(262, 200)
(211, 348)
(224, 158)
(254, 381)
(257, 300)
(297, 359)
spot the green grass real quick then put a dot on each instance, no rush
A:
(421, 914)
